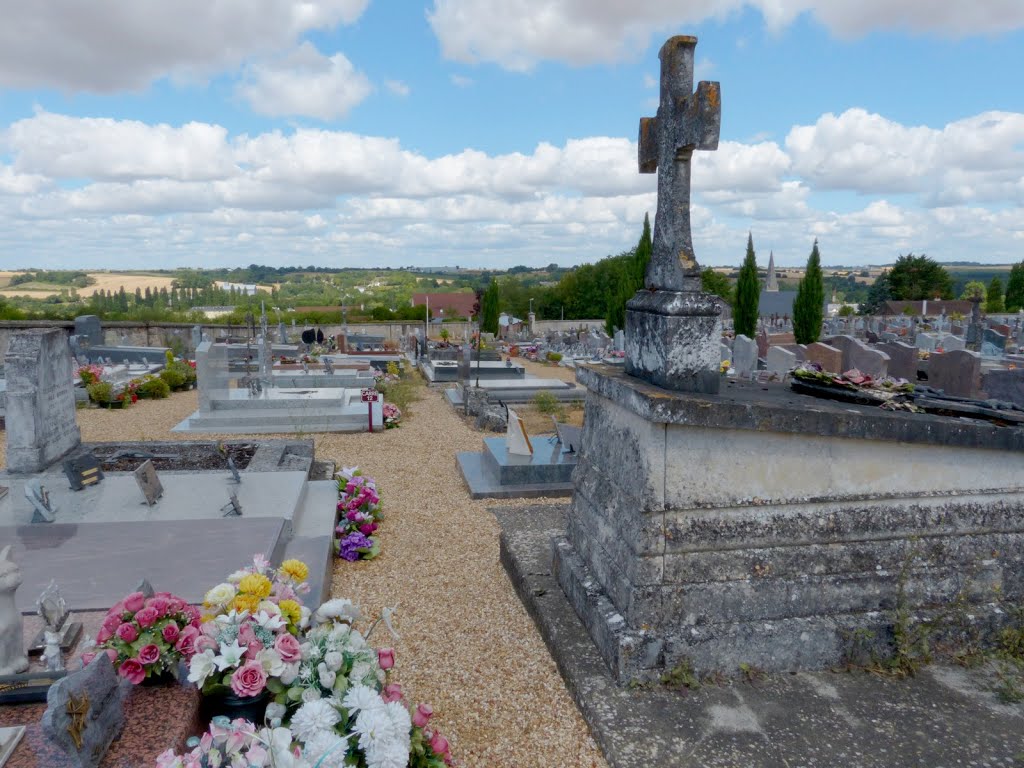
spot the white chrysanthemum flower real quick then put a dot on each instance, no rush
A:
(268, 606)
(362, 669)
(326, 749)
(359, 698)
(314, 716)
(402, 722)
(356, 641)
(201, 666)
(374, 726)
(237, 576)
(389, 754)
(339, 632)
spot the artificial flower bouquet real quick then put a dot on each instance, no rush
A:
(342, 689)
(147, 637)
(249, 635)
(89, 374)
(392, 416)
(338, 709)
(359, 516)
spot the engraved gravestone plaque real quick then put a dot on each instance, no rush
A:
(148, 482)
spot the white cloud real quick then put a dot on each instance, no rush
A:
(63, 147)
(461, 81)
(518, 33)
(304, 83)
(110, 190)
(397, 87)
(978, 159)
(109, 45)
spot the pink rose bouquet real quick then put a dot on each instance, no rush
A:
(147, 637)
(392, 416)
(359, 516)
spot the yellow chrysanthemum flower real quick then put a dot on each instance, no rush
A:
(255, 584)
(291, 610)
(246, 603)
(296, 569)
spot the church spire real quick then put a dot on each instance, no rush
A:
(772, 283)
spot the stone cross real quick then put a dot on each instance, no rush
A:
(686, 121)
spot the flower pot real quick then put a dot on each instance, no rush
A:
(112, 404)
(251, 708)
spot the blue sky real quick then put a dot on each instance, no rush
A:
(477, 132)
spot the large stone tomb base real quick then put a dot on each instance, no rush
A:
(765, 528)
(672, 339)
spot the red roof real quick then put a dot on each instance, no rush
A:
(460, 304)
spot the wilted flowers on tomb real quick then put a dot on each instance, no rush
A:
(359, 515)
(147, 637)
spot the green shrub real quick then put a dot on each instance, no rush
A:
(153, 388)
(546, 403)
(173, 376)
(554, 357)
(100, 391)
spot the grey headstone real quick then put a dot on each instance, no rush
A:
(85, 712)
(89, 326)
(995, 339)
(744, 356)
(873, 362)
(40, 400)
(149, 483)
(726, 353)
(925, 341)
(1005, 385)
(956, 373)
(902, 360)
(780, 361)
(951, 343)
(197, 336)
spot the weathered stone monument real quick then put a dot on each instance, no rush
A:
(41, 426)
(12, 651)
(758, 527)
(669, 326)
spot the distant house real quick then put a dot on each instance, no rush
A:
(453, 304)
(929, 307)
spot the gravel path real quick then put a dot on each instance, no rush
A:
(468, 647)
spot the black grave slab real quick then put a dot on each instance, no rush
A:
(946, 716)
(96, 564)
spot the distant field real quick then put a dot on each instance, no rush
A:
(105, 281)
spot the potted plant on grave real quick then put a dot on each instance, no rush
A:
(152, 387)
(105, 396)
(147, 638)
(248, 638)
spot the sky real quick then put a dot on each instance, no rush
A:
(494, 133)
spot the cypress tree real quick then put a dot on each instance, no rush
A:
(489, 308)
(808, 308)
(994, 296)
(748, 294)
(1015, 288)
(643, 256)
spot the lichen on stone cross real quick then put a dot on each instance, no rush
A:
(686, 121)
